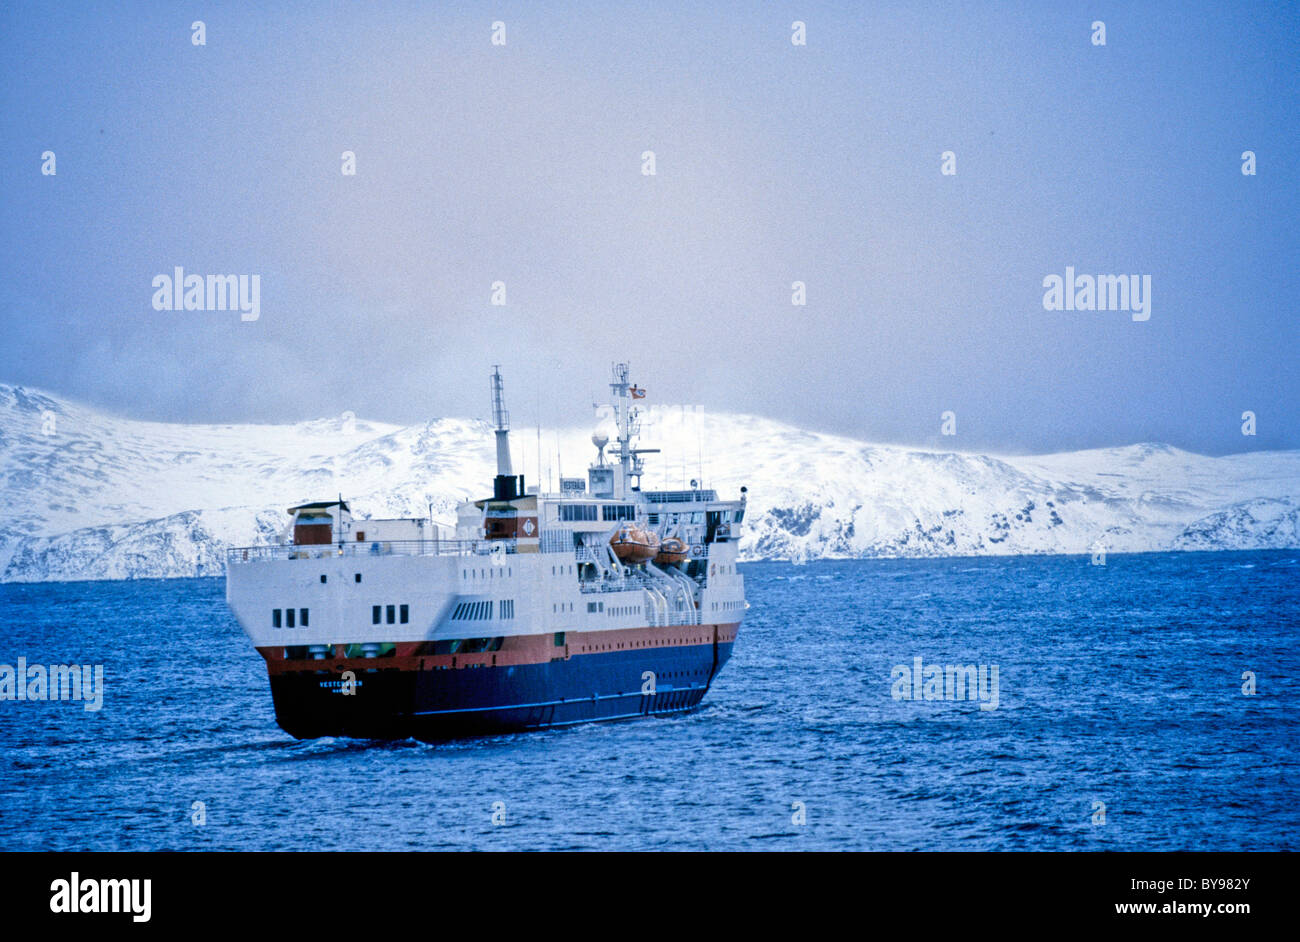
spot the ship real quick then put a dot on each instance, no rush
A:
(599, 601)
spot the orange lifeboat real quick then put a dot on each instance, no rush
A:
(671, 552)
(632, 544)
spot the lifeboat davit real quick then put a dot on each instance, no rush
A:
(632, 544)
(671, 552)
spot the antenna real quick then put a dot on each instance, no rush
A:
(625, 421)
(699, 446)
(538, 389)
(501, 420)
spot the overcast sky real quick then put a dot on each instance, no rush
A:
(774, 163)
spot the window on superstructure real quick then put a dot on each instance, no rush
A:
(302, 617)
(391, 614)
(275, 618)
(374, 614)
(288, 618)
(404, 614)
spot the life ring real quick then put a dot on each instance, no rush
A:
(697, 550)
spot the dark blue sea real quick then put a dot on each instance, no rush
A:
(1118, 686)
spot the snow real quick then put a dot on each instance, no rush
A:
(103, 497)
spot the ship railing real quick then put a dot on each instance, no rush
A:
(676, 612)
(674, 616)
(370, 548)
(684, 616)
(603, 585)
(697, 496)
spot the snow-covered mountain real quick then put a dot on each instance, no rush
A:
(91, 496)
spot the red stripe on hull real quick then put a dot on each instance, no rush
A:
(514, 650)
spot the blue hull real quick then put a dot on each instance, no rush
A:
(439, 704)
